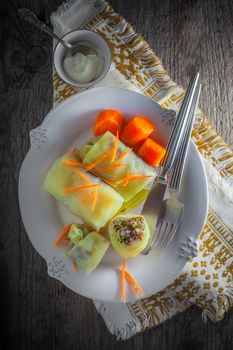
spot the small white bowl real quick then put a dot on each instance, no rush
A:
(92, 40)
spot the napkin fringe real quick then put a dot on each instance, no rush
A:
(135, 320)
(139, 47)
(219, 307)
(126, 331)
(212, 147)
(69, 3)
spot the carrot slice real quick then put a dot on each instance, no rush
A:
(74, 163)
(75, 266)
(62, 235)
(78, 188)
(108, 120)
(151, 152)
(137, 129)
(123, 292)
(123, 155)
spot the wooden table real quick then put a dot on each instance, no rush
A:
(39, 312)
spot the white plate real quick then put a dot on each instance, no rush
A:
(68, 125)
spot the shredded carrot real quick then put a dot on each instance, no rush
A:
(132, 282)
(114, 152)
(110, 183)
(112, 167)
(132, 286)
(62, 235)
(123, 292)
(94, 200)
(127, 177)
(87, 197)
(99, 160)
(123, 155)
(135, 287)
(85, 177)
(134, 177)
(74, 163)
(75, 266)
(78, 188)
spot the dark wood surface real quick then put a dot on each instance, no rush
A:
(37, 312)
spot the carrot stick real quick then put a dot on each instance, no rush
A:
(123, 155)
(73, 163)
(75, 266)
(151, 152)
(83, 176)
(78, 188)
(108, 120)
(62, 235)
(114, 152)
(137, 130)
(123, 292)
(112, 167)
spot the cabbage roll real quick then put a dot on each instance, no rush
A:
(130, 167)
(89, 251)
(129, 234)
(85, 195)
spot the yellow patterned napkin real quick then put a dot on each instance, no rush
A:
(206, 280)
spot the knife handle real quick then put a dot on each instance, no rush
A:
(179, 127)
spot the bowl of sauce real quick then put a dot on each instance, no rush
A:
(87, 63)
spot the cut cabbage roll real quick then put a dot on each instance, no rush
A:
(77, 233)
(89, 251)
(85, 195)
(129, 234)
(128, 178)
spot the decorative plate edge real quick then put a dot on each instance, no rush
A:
(167, 116)
(57, 267)
(38, 136)
(189, 248)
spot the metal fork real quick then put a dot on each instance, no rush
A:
(172, 210)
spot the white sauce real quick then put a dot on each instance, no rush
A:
(83, 68)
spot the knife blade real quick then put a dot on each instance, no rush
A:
(152, 209)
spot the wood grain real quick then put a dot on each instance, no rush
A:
(39, 312)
